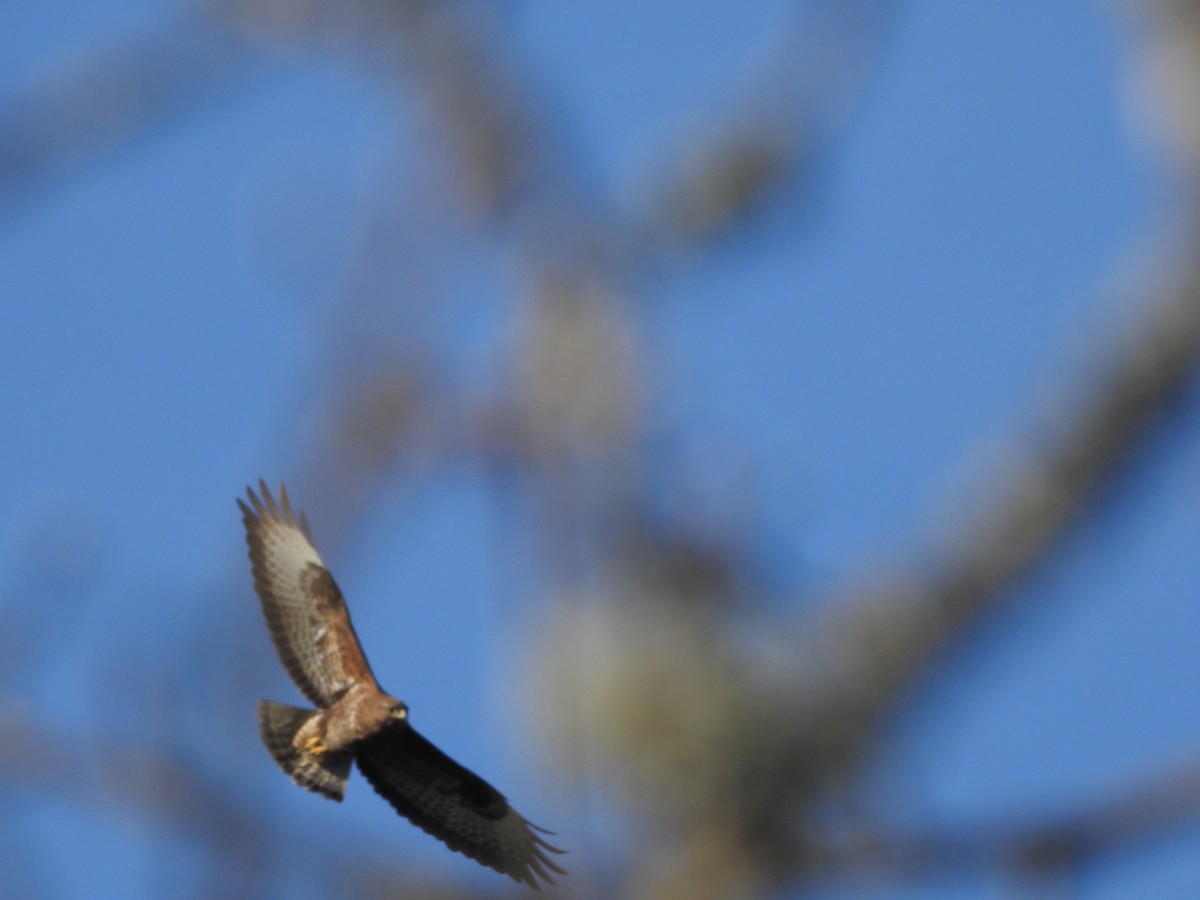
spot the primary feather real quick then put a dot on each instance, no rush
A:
(307, 616)
(454, 804)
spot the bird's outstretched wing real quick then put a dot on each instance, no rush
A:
(303, 605)
(454, 805)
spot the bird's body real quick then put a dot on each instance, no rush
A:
(356, 721)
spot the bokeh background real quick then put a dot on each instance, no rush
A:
(761, 438)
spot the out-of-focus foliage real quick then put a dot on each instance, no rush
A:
(734, 736)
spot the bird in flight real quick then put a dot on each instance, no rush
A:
(357, 721)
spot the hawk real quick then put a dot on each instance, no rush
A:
(355, 720)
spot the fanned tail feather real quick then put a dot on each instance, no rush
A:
(278, 724)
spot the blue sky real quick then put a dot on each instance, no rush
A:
(857, 352)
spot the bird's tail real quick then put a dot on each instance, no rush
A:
(278, 724)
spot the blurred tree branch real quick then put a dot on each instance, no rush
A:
(73, 117)
(1124, 823)
(733, 762)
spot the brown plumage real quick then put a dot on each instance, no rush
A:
(355, 720)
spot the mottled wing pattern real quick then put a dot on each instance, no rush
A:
(454, 805)
(304, 608)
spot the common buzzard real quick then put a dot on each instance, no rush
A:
(355, 720)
